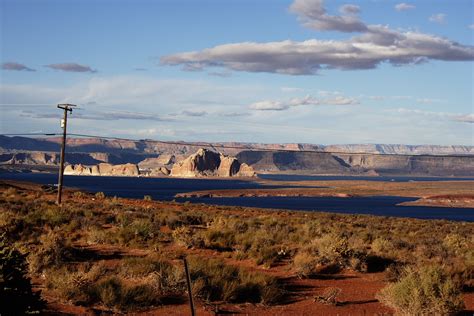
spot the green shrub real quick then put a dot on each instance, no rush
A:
(147, 198)
(426, 291)
(213, 280)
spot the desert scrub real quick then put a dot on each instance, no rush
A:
(53, 250)
(162, 274)
(100, 195)
(424, 291)
(134, 284)
(183, 236)
(219, 239)
(213, 280)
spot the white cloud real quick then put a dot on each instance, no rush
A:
(340, 100)
(366, 51)
(272, 105)
(313, 15)
(439, 18)
(471, 26)
(376, 45)
(268, 105)
(404, 6)
(349, 9)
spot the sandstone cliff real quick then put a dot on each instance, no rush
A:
(103, 169)
(207, 163)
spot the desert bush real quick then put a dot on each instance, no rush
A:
(219, 239)
(52, 251)
(381, 246)
(423, 291)
(183, 236)
(139, 284)
(147, 198)
(16, 295)
(304, 264)
(138, 232)
(100, 195)
(160, 273)
(455, 243)
(78, 194)
(213, 280)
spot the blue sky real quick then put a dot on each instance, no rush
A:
(306, 71)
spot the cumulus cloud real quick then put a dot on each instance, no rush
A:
(71, 67)
(349, 9)
(375, 45)
(268, 105)
(404, 6)
(16, 67)
(366, 51)
(313, 15)
(272, 105)
(471, 26)
(439, 18)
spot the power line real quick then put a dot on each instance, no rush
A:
(223, 146)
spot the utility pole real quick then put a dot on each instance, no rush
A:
(190, 288)
(66, 108)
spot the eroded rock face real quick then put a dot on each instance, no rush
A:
(228, 167)
(205, 163)
(160, 161)
(103, 169)
(246, 171)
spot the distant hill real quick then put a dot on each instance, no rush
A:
(88, 145)
(367, 159)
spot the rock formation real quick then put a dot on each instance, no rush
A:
(103, 169)
(160, 161)
(205, 163)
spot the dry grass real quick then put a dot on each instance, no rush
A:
(305, 244)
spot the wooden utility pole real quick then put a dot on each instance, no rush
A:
(66, 108)
(190, 291)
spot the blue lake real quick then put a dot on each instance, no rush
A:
(166, 188)
(292, 177)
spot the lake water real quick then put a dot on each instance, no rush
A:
(166, 188)
(291, 177)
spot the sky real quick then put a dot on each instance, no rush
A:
(270, 71)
